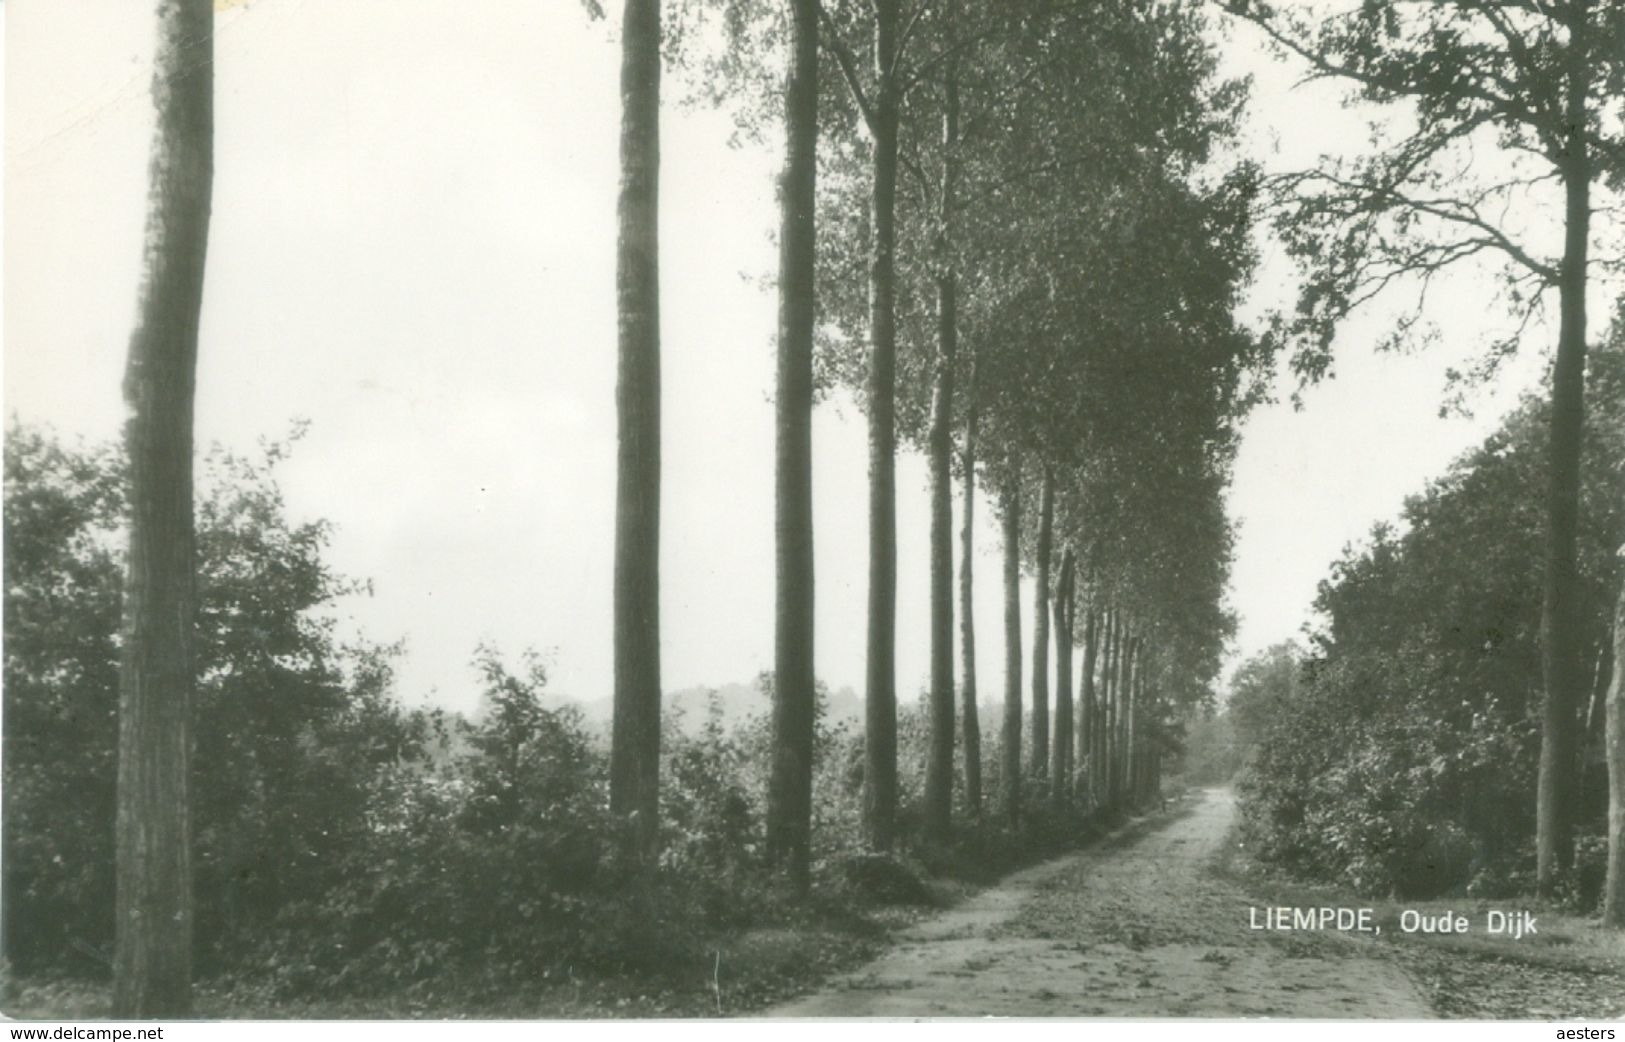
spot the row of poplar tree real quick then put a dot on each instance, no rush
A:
(1016, 231)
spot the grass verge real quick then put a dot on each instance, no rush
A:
(730, 973)
(1570, 968)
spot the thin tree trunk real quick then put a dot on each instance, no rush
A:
(789, 794)
(1141, 745)
(634, 769)
(1613, 908)
(1108, 757)
(1151, 728)
(1098, 749)
(1010, 508)
(1561, 667)
(880, 734)
(1046, 520)
(939, 764)
(1114, 694)
(970, 716)
(1599, 692)
(939, 767)
(1061, 757)
(1141, 719)
(1131, 754)
(1099, 727)
(1086, 706)
(152, 955)
(1125, 677)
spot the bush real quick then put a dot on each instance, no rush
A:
(346, 845)
(1405, 760)
(290, 726)
(498, 863)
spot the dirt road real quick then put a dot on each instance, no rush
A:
(1137, 927)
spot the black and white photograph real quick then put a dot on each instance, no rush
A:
(653, 510)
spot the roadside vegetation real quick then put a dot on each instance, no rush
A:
(1570, 969)
(357, 857)
(1395, 753)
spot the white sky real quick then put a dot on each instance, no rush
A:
(413, 248)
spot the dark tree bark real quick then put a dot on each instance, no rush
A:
(939, 764)
(880, 734)
(1097, 754)
(789, 794)
(1109, 732)
(152, 955)
(1613, 907)
(1125, 678)
(634, 768)
(1131, 675)
(1561, 665)
(969, 714)
(1046, 521)
(1155, 782)
(939, 767)
(1010, 508)
(1130, 709)
(1150, 730)
(1136, 722)
(1086, 707)
(1061, 757)
(1113, 693)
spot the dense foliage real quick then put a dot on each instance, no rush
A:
(1217, 744)
(344, 842)
(292, 726)
(1406, 757)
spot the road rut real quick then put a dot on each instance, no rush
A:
(1139, 926)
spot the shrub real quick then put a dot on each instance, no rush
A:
(1406, 759)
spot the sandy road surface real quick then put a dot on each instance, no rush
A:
(1139, 927)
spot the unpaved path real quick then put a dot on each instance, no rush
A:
(1137, 927)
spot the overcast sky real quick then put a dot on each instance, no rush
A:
(413, 248)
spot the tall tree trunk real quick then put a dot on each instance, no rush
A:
(1142, 745)
(1112, 703)
(1010, 764)
(1130, 753)
(1086, 706)
(634, 767)
(1125, 676)
(1046, 521)
(789, 793)
(880, 733)
(1561, 667)
(152, 955)
(1613, 907)
(1097, 746)
(1112, 693)
(939, 764)
(969, 714)
(1061, 756)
